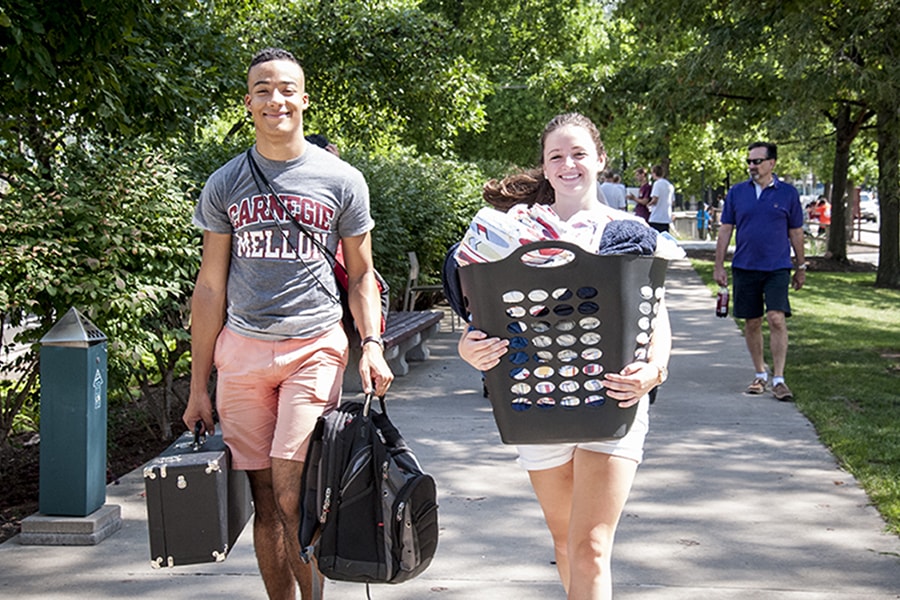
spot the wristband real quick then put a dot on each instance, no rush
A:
(372, 338)
(803, 267)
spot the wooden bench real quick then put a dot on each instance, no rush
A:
(413, 288)
(405, 339)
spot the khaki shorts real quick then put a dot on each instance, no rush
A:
(270, 393)
(538, 457)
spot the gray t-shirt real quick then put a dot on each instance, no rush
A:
(273, 294)
(614, 194)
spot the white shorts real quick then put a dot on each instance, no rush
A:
(538, 457)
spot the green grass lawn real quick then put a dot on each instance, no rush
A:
(844, 369)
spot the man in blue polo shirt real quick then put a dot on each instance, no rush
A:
(769, 220)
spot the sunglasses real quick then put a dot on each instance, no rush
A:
(757, 161)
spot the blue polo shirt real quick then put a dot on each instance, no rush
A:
(762, 224)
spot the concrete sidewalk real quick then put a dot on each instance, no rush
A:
(736, 500)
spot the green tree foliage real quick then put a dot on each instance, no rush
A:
(379, 73)
(104, 67)
(881, 46)
(542, 57)
(419, 203)
(672, 94)
(89, 220)
(110, 234)
(780, 68)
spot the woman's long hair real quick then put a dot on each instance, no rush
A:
(530, 186)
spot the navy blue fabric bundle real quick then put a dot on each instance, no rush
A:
(627, 237)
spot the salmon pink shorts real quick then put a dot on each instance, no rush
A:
(269, 393)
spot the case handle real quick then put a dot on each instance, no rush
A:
(198, 439)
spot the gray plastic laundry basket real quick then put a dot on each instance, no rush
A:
(568, 325)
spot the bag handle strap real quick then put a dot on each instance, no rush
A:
(367, 404)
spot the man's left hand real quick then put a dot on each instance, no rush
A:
(373, 369)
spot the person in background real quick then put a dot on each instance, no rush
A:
(613, 191)
(662, 197)
(811, 215)
(703, 218)
(617, 179)
(823, 214)
(768, 217)
(322, 142)
(266, 310)
(643, 198)
(715, 212)
(582, 488)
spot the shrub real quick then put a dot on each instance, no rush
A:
(421, 203)
(110, 234)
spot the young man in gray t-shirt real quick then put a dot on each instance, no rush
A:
(265, 310)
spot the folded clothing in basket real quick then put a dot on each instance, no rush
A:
(493, 234)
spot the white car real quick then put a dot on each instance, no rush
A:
(868, 207)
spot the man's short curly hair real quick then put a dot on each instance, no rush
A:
(268, 54)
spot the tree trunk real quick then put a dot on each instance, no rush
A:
(837, 233)
(38, 141)
(889, 194)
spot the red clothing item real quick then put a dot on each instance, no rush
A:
(823, 214)
(641, 210)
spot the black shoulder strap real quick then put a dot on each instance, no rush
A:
(258, 175)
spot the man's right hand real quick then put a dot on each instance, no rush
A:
(720, 275)
(199, 408)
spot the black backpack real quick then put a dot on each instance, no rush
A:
(451, 285)
(365, 495)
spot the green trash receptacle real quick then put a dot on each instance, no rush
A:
(73, 418)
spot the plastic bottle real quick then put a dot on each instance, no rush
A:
(722, 302)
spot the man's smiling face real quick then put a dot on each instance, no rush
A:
(276, 97)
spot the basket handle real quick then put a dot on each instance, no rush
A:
(521, 251)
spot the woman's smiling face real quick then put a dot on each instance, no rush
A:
(571, 161)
